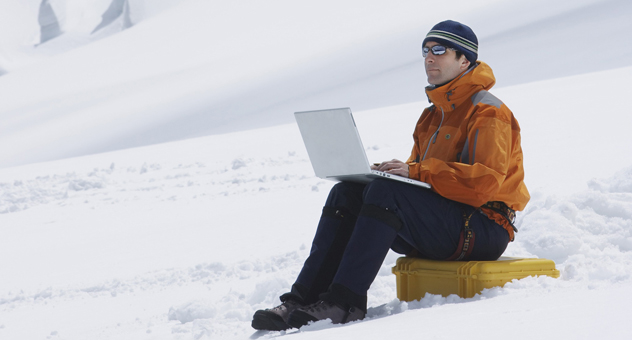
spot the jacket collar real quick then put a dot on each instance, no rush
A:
(458, 90)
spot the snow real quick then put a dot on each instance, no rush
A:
(179, 70)
(153, 184)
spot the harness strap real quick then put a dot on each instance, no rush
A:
(466, 241)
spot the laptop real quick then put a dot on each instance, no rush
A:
(335, 149)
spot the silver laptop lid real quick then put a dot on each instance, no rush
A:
(332, 142)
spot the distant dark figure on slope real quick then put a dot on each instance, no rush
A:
(466, 145)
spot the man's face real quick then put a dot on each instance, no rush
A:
(440, 69)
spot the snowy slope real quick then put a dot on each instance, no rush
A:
(185, 240)
(205, 67)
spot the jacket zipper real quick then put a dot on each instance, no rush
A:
(433, 138)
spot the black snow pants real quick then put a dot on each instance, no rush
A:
(360, 223)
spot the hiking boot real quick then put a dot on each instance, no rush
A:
(275, 319)
(322, 310)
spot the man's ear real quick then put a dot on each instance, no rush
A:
(464, 63)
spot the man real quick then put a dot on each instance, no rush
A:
(467, 146)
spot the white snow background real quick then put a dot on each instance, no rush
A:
(154, 184)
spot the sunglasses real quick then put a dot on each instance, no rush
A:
(436, 50)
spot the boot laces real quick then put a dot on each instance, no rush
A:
(316, 307)
(285, 305)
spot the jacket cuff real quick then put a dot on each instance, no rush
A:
(413, 171)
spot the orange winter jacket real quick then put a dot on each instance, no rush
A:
(467, 145)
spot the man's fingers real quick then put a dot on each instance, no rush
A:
(395, 169)
(392, 165)
(398, 168)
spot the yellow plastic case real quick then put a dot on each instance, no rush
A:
(416, 276)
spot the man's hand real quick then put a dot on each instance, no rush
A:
(395, 167)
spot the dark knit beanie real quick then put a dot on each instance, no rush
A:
(456, 35)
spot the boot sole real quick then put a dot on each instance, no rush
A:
(267, 321)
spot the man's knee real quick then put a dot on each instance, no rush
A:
(378, 190)
(345, 188)
(348, 195)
